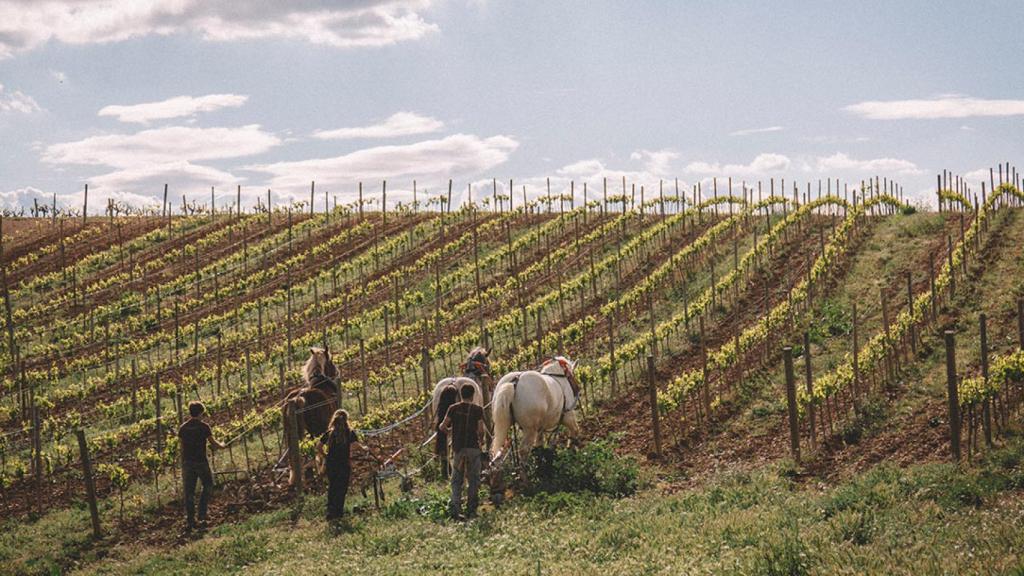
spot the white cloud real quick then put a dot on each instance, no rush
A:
(593, 172)
(17, 101)
(173, 107)
(182, 175)
(657, 161)
(751, 131)
(841, 161)
(978, 176)
(985, 176)
(398, 124)
(31, 23)
(163, 146)
(148, 159)
(762, 164)
(948, 106)
(456, 156)
(25, 198)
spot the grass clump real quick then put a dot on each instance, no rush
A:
(595, 469)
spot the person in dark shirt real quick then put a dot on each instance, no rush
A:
(335, 448)
(193, 436)
(465, 422)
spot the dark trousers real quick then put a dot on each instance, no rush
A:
(191, 472)
(337, 488)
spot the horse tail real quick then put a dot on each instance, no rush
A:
(446, 398)
(501, 414)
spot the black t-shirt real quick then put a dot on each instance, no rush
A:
(193, 435)
(338, 450)
(465, 419)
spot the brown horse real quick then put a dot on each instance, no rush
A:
(318, 398)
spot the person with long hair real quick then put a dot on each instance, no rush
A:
(335, 447)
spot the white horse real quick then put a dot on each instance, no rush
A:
(538, 401)
(447, 392)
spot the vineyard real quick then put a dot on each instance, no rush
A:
(828, 328)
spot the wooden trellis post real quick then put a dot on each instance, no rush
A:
(857, 389)
(652, 390)
(90, 484)
(953, 394)
(294, 456)
(910, 312)
(159, 421)
(986, 405)
(611, 352)
(810, 390)
(1020, 322)
(794, 423)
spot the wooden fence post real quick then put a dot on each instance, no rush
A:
(794, 423)
(294, 456)
(653, 391)
(90, 484)
(986, 405)
(953, 393)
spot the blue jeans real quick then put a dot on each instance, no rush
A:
(465, 466)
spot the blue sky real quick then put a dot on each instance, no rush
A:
(129, 95)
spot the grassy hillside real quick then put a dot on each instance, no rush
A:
(925, 519)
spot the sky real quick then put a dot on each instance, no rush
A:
(129, 95)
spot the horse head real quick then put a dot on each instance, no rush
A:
(319, 366)
(562, 366)
(478, 365)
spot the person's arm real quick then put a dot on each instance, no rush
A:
(366, 449)
(480, 430)
(214, 442)
(446, 424)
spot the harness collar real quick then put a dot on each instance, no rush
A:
(564, 364)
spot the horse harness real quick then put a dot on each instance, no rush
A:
(571, 381)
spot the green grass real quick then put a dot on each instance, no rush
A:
(928, 519)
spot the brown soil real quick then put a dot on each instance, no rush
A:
(77, 250)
